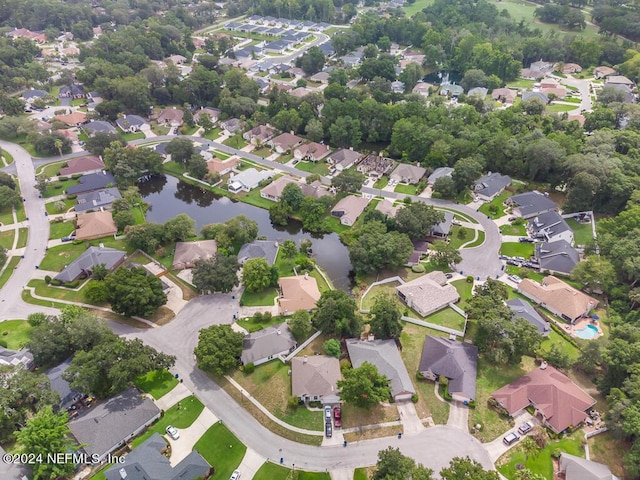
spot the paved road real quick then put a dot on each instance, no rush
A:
(583, 86)
(11, 304)
(434, 447)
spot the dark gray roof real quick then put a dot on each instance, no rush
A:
(129, 120)
(146, 462)
(33, 93)
(577, 468)
(60, 385)
(91, 257)
(277, 45)
(99, 126)
(454, 360)
(541, 97)
(532, 203)
(16, 357)
(445, 227)
(384, 355)
(327, 49)
(91, 182)
(74, 89)
(266, 249)
(110, 422)
(558, 256)
(97, 199)
(548, 224)
(451, 88)
(439, 173)
(523, 309)
(491, 184)
(267, 342)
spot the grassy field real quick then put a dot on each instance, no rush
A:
(272, 471)
(521, 83)
(406, 189)
(157, 383)
(582, 232)
(256, 299)
(57, 257)
(58, 187)
(11, 264)
(459, 236)
(221, 449)
(320, 168)
(605, 449)
(560, 108)
(513, 249)
(496, 203)
(15, 333)
(412, 8)
(490, 378)
(6, 239)
(60, 229)
(519, 230)
(51, 206)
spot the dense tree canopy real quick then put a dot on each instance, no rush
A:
(336, 312)
(134, 292)
(219, 349)
(364, 386)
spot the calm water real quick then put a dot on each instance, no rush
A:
(437, 77)
(169, 196)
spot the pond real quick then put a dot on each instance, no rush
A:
(443, 77)
(168, 196)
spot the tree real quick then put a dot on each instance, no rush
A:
(313, 212)
(300, 325)
(6, 179)
(197, 166)
(95, 293)
(133, 292)
(292, 195)
(411, 75)
(289, 249)
(146, 237)
(377, 67)
(42, 182)
(47, 433)
(446, 187)
(205, 122)
(590, 357)
(332, 348)
(444, 254)
(417, 220)
(312, 61)
(219, 349)
(287, 120)
(596, 273)
(219, 274)
(466, 171)
(279, 213)
(392, 465)
(376, 249)
(9, 197)
(345, 132)
(473, 78)
(348, 181)
(583, 189)
(385, 317)
(336, 314)
(241, 229)
(465, 468)
(257, 275)
(364, 386)
(179, 228)
(100, 141)
(123, 219)
(180, 149)
(557, 357)
(314, 130)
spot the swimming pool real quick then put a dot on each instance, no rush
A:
(588, 333)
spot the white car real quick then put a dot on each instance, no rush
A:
(173, 432)
(235, 475)
(514, 278)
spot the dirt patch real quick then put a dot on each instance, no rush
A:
(162, 316)
(373, 433)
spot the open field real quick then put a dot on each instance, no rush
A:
(15, 333)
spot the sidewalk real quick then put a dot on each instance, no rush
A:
(250, 464)
(178, 393)
(411, 423)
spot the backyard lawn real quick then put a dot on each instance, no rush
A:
(564, 346)
(465, 290)
(60, 229)
(582, 232)
(385, 288)
(495, 208)
(406, 189)
(447, 317)
(513, 249)
(15, 333)
(221, 449)
(157, 383)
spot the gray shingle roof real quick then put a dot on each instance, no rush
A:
(523, 309)
(104, 426)
(443, 228)
(266, 249)
(91, 182)
(384, 355)
(60, 385)
(491, 184)
(99, 126)
(577, 468)
(97, 199)
(439, 173)
(91, 257)
(548, 224)
(16, 357)
(532, 203)
(558, 256)
(130, 120)
(454, 360)
(267, 342)
(33, 93)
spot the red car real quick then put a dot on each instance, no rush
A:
(336, 417)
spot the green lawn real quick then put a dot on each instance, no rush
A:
(59, 293)
(360, 473)
(465, 290)
(412, 8)
(15, 333)
(213, 134)
(495, 208)
(250, 325)
(50, 169)
(181, 415)
(381, 182)
(320, 168)
(221, 449)
(157, 383)
(6, 216)
(479, 241)
(555, 339)
(58, 187)
(519, 230)
(11, 265)
(174, 168)
(385, 288)
(51, 206)
(60, 229)
(6, 239)
(57, 257)
(460, 235)
(582, 232)
(132, 136)
(273, 471)
(559, 108)
(8, 158)
(262, 152)
(235, 142)
(23, 236)
(513, 249)
(541, 462)
(256, 299)
(521, 82)
(406, 189)
(447, 317)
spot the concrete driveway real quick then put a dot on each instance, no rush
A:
(497, 448)
(251, 463)
(183, 446)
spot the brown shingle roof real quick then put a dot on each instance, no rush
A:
(187, 253)
(298, 293)
(314, 376)
(74, 118)
(81, 165)
(95, 225)
(559, 296)
(216, 165)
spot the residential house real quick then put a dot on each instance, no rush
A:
(414, 56)
(285, 142)
(453, 360)
(248, 179)
(523, 309)
(315, 189)
(38, 37)
(491, 185)
(93, 99)
(550, 227)
(299, 292)
(176, 59)
(538, 96)
(530, 204)
(214, 114)
(428, 294)
(267, 249)
(91, 182)
(549, 83)
(327, 49)
(351, 60)
(409, 174)
(232, 125)
(569, 68)
(73, 119)
(267, 344)
(558, 297)
(89, 164)
(170, 117)
(131, 123)
(504, 95)
(259, 135)
(98, 126)
(13, 358)
(97, 200)
(72, 135)
(387, 208)
(222, 167)
(451, 90)
(111, 423)
(603, 72)
(95, 225)
(374, 165)
(188, 253)
(443, 229)
(423, 88)
(74, 90)
(321, 77)
(110, 258)
(397, 86)
(578, 468)
(558, 402)
(274, 190)
(542, 66)
(263, 85)
(556, 93)
(33, 94)
(619, 80)
(343, 159)
(384, 355)
(13, 471)
(68, 396)
(479, 92)
(628, 97)
(312, 152)
(279, 47)
(349, 209)
(577, 117)
(148, 460)
(556, 257)
(439, 172)
(315, 378)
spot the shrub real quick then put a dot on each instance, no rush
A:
(414, 398)
(292, 402)
(418, 268)
(332, 348)
(266, 317)
(345, 364)
(78, 242)
(161, 252)
(47, 279)
(36, 319)
(249, 368)
(469, 278)
(55, 282)
(63, 179)
(556, 453)
(73, 284)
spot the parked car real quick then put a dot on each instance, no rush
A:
(295, 162)
(235, 475)
(525, 427)
(448, 275)
(511, 219)
(327, 414)
(328, 430)
(526, 240)
(510, 439)
(337, 417)
(173, 432)
(514, 278)
(456, 222)
(66, 239)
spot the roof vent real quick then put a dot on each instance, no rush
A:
(304, 359)
(123, 473)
